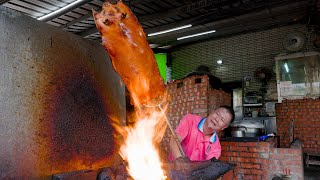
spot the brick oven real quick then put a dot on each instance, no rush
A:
(300, 119)
(263, 159)
(275, 157)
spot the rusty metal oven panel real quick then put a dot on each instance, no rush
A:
(58, 97)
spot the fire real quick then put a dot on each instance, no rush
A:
(132, 58)
(139, 148)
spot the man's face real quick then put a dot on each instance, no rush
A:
(217, 120)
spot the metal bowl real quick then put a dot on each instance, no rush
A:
(237, 133)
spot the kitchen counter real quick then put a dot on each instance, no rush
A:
(240, 139)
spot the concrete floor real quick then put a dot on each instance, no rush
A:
(312, 173)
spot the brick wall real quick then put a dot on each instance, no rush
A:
(218, 98)
(304, 116)
(191, 95)
(251, 158)
(262, 160)
(241, 54)
(286, 161)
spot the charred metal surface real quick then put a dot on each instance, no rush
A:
(84, 174)
(117, 172)
(79, 127)
(208, 170)
(58, 93)
(194, 170)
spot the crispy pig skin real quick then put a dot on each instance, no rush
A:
(131, 56)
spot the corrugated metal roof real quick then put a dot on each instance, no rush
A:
(155, 15)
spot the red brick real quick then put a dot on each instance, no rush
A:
(252, 177)
(296, 169)
(224, 158)
(264, 155)
(256, 171)
(278, 156)
(239, 159)
(229, 175)
(233, 148)
(253, 149)
(224, 143)
(259, 160)
(248, 154)
(233, 143)
(250, 166)
(236, 154)
(251, 144)
(274, 167)
(290, 162)
(264, 144)
(245, 171)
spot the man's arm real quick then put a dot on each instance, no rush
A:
(174, 147)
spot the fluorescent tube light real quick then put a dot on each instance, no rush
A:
(61, 9)
(170, 30)
(153, 45)
(165, 47)
(286, 66)
(194, 35)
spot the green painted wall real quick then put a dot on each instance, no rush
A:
(162, 61)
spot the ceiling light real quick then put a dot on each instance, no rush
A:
(286, 67)
(170, 30)
(219, 61)
(194, 35)
(153, 45)
(60, 10)
(165, 47)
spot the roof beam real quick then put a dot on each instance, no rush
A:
(187, 8)
(65, 11)
(3, 1)
(84, 17)
(99, 9)
(180, 10)
(194, 20)
(246, 22)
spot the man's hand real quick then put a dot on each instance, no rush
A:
(174, 147)
(182, 163)
(181, 159)
(214, 159)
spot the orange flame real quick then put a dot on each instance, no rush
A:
(139, 148)
(134, 61)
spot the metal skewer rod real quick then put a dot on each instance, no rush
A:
(173, 133)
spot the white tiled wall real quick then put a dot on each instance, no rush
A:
(241, 54)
